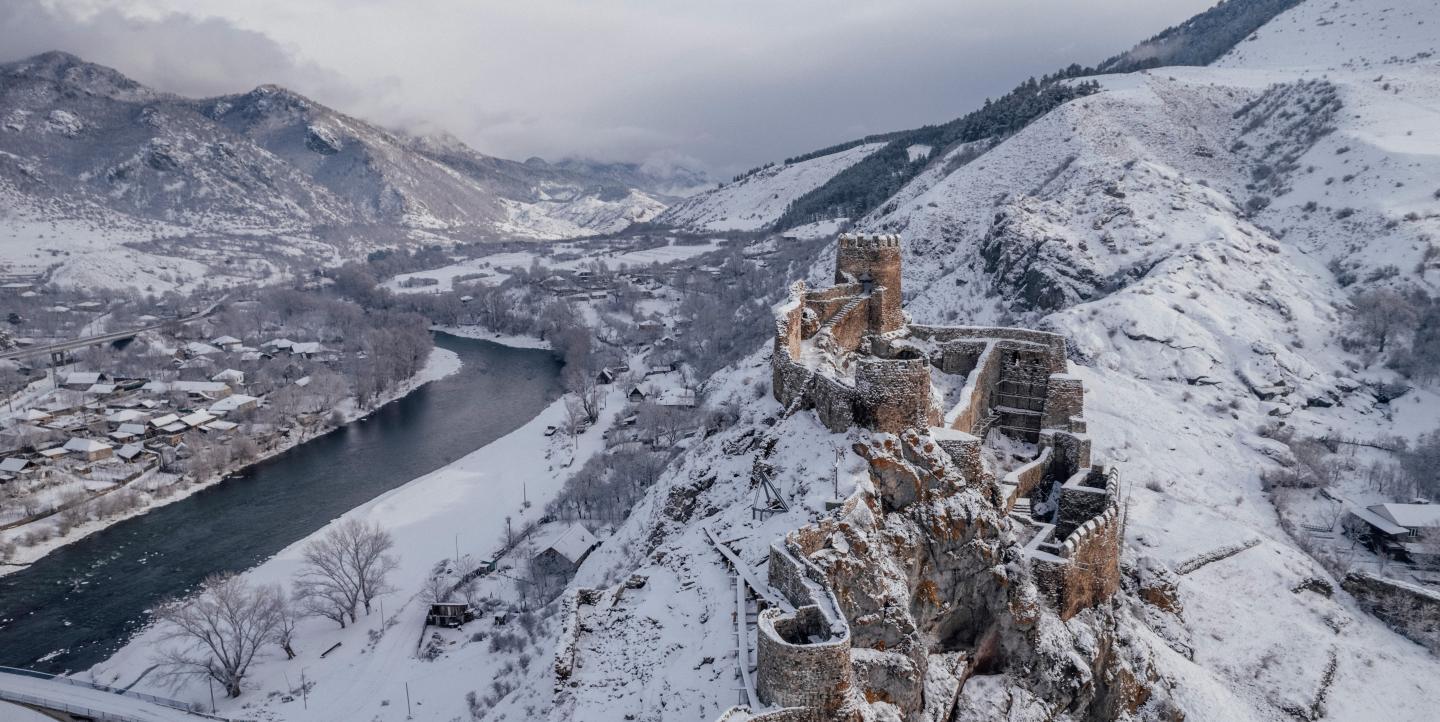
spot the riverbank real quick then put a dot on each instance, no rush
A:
(504, 339)
(440, 364)
(464, 505)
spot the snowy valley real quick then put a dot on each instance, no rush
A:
(1235, 261)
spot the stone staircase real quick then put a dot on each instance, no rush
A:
(847, 308)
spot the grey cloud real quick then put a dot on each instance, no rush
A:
(727, 85)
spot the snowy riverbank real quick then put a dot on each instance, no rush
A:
(484, 334)
(464, 505)
(441, 363)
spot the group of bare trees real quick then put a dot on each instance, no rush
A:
(1399, 328)
(218, 632)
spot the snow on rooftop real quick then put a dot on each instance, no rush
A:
(571, 541)
(85, 446)
(1411, 516)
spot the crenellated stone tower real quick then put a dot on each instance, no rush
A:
(873, 261)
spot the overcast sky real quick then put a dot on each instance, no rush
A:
(722, 84)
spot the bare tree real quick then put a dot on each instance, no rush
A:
(318, 597)
(218, 631)
(325, 585)
(370, 564)
(346, 568)
(287, 616)
(1381, 314)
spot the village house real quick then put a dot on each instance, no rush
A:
(560, 548)
(1410, 531)
(89, 449)
(238, 403)
(228, 343)
(82, 380)
(15, 467)
(230, 376)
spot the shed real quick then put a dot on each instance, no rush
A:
(449, 614)
(226, 342)
(636, 395)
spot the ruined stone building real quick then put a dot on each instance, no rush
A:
(984, 517)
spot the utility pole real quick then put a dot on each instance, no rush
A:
(407, 701)
(211, 680)
(304, 690)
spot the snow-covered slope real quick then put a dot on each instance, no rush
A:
(1342, 35)
(758, 200)
(82, 145)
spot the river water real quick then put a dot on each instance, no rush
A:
(77, 605)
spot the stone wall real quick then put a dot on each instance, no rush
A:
(1064, 400)
(979, 388)
(1084, 570)
(893, 395)
(1072, 451)
(1411, 610)
(1053, 342)
(964, 451)
(850, 327)
(1020, 482)
(1083, 496)
(801, 661)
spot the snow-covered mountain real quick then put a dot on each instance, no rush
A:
(757, 200)
(101, 160)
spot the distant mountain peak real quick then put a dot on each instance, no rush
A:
(74, 73)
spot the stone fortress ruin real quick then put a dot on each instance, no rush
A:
(919, 576)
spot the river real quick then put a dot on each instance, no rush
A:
(77, 605)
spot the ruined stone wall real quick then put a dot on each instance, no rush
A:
(1085, 568)
(964, 451)
(1054, 343)
(961, 357)
(893, 395)
(802, 662)
(975, 400)
(884, 311)
(1411, 610)
(1020, 482)
(1093, 574)
(1083, 496)
(850, 327)
(1064, 400)
(1072, 452)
